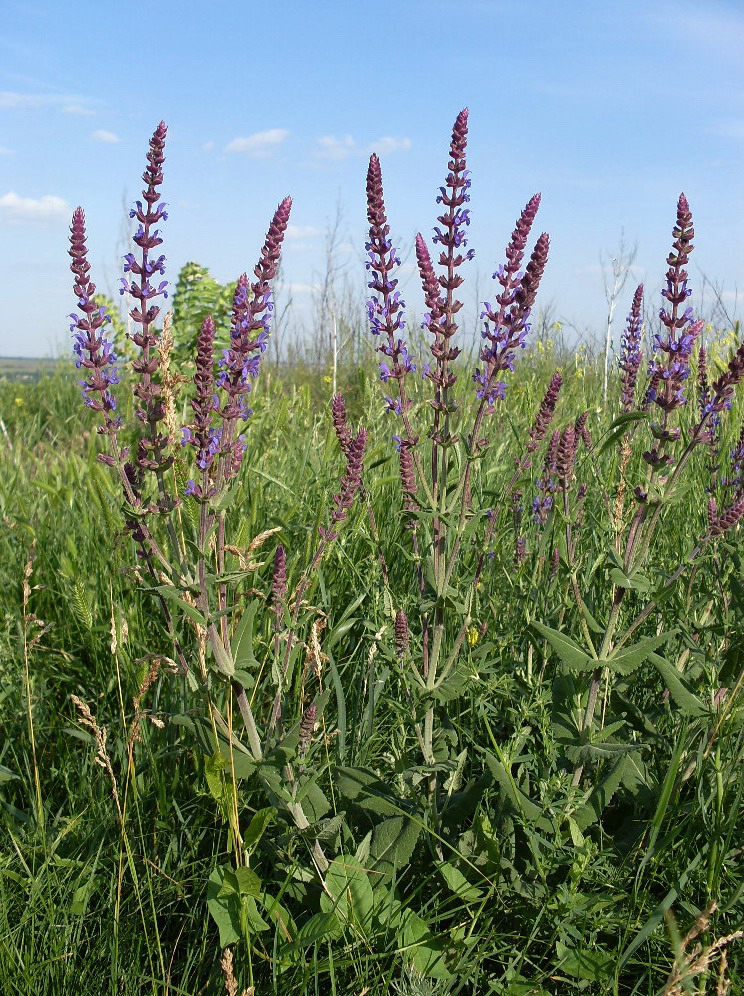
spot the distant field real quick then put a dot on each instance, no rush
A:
(26, 368)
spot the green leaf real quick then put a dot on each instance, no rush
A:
(530, 812)
(417, 942)
(6, 775)
(365, 788)
(686, 700)
(349, 892)
(320, 927)
(627, 660)
(249, 884)
(618, 429)
(393, 843)
(594, 964)
(257, 827)
(458, 883)
(242, 641)
(601, 797)
(223, 903)
(570, 653)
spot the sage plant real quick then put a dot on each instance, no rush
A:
(189, 575)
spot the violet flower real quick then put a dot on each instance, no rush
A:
(93, 351)
(450, 235)
(506, 326)
(546, 483)
(385, 305)
(544, 414)
(630, 351)
(668, 376)
(203, 436)
(351, 482)
(249, 334)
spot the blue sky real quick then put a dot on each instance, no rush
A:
(609, 109)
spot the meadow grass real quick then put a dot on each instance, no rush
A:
(104, 895)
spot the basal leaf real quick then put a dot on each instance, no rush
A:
(594, 964)
(392, 846)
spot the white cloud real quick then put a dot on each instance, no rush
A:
(330, 147)
(301, 232)
(105, 136)
(387, 144)
(5, 152)
(207, 146)
(262, 145)
(67, 103)
(77, 109)
(47, 208)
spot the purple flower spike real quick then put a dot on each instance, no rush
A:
(668, 376)
(203, 436)
(630, 354)
(93, 352)
(506, 327)
(249, 334)
(544, 415)
(385, 306)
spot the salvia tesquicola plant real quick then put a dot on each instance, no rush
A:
(469, 548)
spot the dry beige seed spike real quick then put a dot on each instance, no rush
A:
(687, 966)
(315, 658)
(86, 718)
(171, 381)
(255, 543)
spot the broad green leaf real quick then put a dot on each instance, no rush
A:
(686, 700)
(392, 846)
(417, 943)
(257, 827)
(6, 775)
(224, 906)
(570, 653)
(519, 802)
(242, 641)
(601, 797)
(365, 788)
(320, 927)
(349, 892)
(458, 883)
(626, 661)
(594, 964)
(249, 884)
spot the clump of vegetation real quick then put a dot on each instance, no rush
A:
(435, 692)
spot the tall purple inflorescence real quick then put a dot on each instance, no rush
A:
(450, 235)
(249, 335)
(506, 326)
(203, 436)
(385, 306)
(630, 351)
(351, 482)
(668, 376)
(93, 352)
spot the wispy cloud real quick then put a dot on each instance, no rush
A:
(207, 146)
(5, 152)
(105, 136)
(301, 232)
(297, 288)
(16, 209)
(388, 144)
(330, 147)
(262, 145)
(66, 103)
(729, 129)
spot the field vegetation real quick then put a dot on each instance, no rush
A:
(431, 684)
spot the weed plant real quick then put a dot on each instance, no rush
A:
(435, 690)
